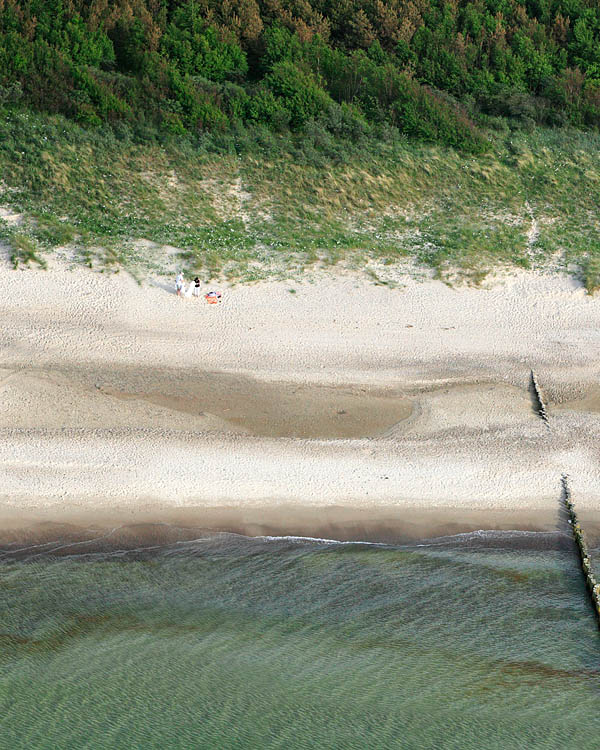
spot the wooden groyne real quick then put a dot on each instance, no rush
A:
(540, 402)
(586, 564)
(591, 583)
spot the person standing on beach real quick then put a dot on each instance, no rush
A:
(179, 284)
(196, 287)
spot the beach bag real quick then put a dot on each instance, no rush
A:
(213, 297)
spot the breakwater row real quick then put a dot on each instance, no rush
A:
(586, 564)
(584, 556)
(540, 402)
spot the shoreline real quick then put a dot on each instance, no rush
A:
(110, 530)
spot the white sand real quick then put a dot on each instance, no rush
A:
(461, 356)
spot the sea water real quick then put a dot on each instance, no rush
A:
(478, 641)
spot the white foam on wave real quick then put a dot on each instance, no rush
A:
(314, 539)
(465, 536)
(491, 536)
(462, 538)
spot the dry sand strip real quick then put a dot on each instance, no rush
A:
(125, 402)
(336, 329)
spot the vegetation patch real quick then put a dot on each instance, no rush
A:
(436, 71)
(247, 139)
(24, 251)
(283, 204)
(591, 273)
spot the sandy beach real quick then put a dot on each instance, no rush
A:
(329, 408)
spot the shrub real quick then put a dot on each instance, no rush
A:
(265, 107)
(420, 113)
(297, 92)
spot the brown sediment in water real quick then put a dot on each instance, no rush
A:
(533, 671)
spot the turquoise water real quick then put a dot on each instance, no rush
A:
(472, 642)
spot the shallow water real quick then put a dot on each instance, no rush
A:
(481, 640)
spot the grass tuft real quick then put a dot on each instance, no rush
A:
(24, 251)
(591, 273)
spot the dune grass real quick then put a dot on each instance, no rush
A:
(24, 250)
(274, 211)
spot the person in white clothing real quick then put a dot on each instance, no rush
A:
(179, 284)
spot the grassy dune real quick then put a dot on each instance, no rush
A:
(276, 209)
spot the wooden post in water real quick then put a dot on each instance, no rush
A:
(586, 564)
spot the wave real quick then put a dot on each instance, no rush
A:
(119, 542)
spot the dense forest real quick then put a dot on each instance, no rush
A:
(438, 70)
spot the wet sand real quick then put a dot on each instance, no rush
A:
(93, 531)
(588, 401)
(149, 397)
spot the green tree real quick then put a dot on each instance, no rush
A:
(196, 49)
